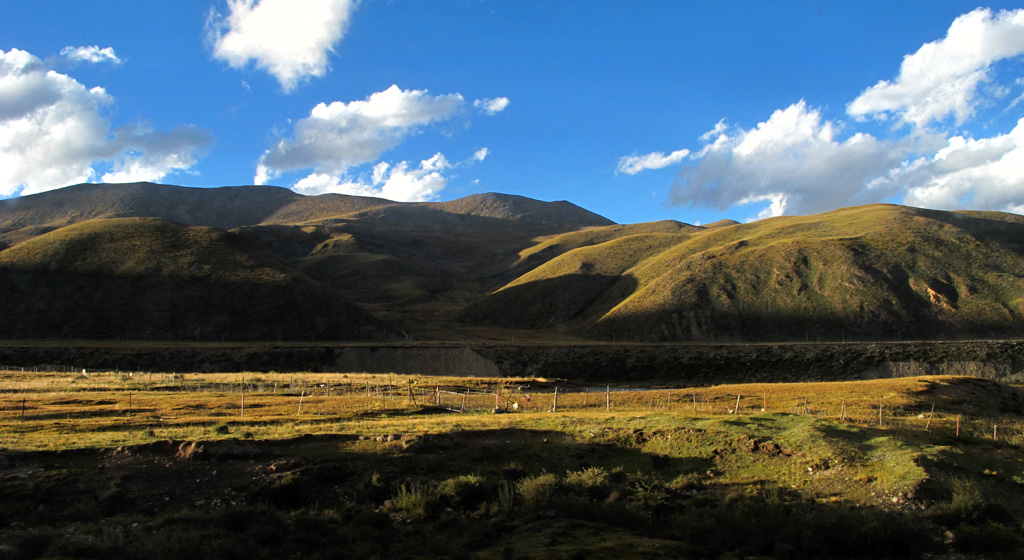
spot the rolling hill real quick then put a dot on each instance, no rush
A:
(872, 271)
(157, 261)
(145, 278)
(152, 261)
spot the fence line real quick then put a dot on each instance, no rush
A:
(503, 397)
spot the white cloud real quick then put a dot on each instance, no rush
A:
(777, 206)
(53, 133)
(793, 160)
(491, 106)
(480, 154)
(93, 54)
(968, 174)
(290, 40)
(942, 77)
(632, 165)
(396, 182)
(338, 136)
(141, 154)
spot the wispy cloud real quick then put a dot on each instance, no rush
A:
(491, 106)
(631, 165)
(93, 54)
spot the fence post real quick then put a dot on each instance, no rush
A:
(608, 398)
(881, 403)
(842, 412)
(957, 425)
(929, 422)
(737, 409)
(554, 403)
(22, 409)
(411, 395)
(464, 399)
(129, 405)
(301, 395)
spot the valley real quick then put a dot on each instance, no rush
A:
(248, 372)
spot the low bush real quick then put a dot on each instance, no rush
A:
(537, 492)
(462, 492)
(592, 482)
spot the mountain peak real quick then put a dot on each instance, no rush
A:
(520, 208)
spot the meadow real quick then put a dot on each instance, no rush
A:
(139, 464)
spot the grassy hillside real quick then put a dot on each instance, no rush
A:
(502, 263)
(871, 271)
(151, 278)
(407, 260)
(559, 244)
(564, 288)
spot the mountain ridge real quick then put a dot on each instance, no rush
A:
(491, 265)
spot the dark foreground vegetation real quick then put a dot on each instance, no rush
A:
(483, 494)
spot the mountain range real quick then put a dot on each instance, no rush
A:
(148, 261)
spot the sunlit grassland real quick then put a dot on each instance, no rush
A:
(605, 471)
(68, 410)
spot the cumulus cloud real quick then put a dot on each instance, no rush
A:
(290, 40)
(397, 182)
(53, 133)
(338, 136)
(631, 165)
(93, 54)
(943, 76)
(987, 173)
(795, 160)
(480, 154)
(139, 153)
(491, 106)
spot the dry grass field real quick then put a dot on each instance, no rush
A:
(133, 465)
(60, 410)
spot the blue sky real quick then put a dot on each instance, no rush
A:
(638, 111)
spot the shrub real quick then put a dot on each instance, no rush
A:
(989, 539)
(967, 500)
(537, 491)
(462, 492)
(592, 482)
(221, 429)
(415, 501)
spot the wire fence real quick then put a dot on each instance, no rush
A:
(133, 393)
